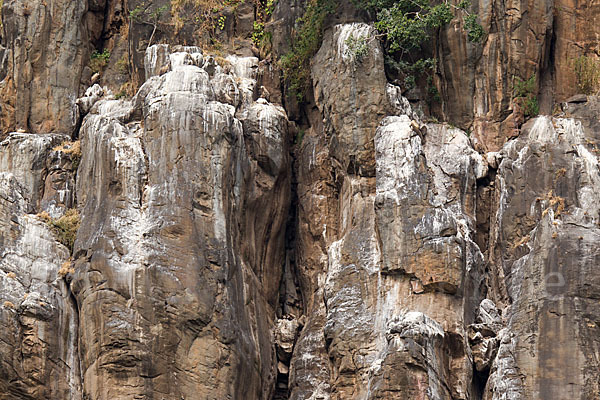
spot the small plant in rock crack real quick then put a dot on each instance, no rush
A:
(357, 48)
(99, 60)
(73, 150)
(64, 228)
(524, 95)
(66, 268)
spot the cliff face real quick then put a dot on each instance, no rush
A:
(234, 244)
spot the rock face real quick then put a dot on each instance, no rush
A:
(43, 59)
(542, 242)
(226, 252)
(182, 238)
(38, 319)
(524, 39)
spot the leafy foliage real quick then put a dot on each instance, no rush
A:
(261, 38)
(99, 60)
(524, 94)
(305, 43)
(407, 24)
(475, 31)
(357, 48)
(587, 72)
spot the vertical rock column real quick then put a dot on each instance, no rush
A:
(45, 49)
(388, 268)
(38, 319)
(545, 257)
(184, 193)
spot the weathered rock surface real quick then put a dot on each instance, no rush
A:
(38, 319)
(389, 249)
(46, 49)
(524, 38)
(543, 246)
(225, 253)
(182, 239)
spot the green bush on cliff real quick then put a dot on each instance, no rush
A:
(524, 95)
(99, 60)
(404, 26)
(407, 24)
(305, 43)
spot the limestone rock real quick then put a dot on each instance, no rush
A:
(47, 49)
(544, 263)
(192, 202)
(38, 320)
(360, 251)
(410, 224)
(523, 39)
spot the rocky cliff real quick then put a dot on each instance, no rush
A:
(176, 224)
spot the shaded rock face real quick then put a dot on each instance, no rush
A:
(43, 59)
(524, 38)
(380, 257)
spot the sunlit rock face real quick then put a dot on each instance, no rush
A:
(363, 251)
(389, 265)
(38, 319)
(184, 194)
(543, 244)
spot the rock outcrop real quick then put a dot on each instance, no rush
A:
(38, 318)
(524, 39)
(46, 49)
(184, 193)
(544, 265)
(216, 249)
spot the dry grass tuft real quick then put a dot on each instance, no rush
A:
(66, 268)
(8, 304)
(64, 228)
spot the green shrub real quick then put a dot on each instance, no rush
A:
(221, 22)
(524, 94)
(258, 32)
(406, 25)
(99, 60)
(475, 31)
(357, 48)
(587, 72)
(305, 43)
